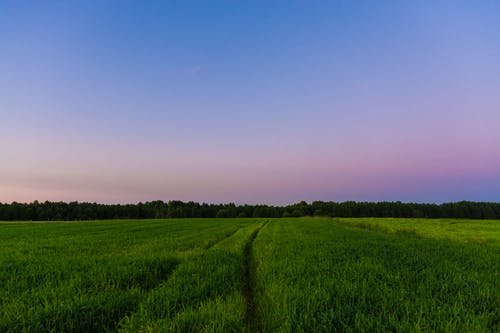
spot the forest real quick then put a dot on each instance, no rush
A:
(58, 211)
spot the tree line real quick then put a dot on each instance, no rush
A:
(56, 211)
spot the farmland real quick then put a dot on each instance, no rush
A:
(249, 274)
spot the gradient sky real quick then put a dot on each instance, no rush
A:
(249, 101)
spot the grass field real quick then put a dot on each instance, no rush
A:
(256, 275)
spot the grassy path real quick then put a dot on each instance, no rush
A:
(203, 294)
(249, 281)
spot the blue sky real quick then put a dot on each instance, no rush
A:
(275, 102)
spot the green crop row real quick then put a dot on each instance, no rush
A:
(87, 277)
(317, 275)
(239, 275)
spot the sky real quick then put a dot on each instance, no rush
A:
(249, 101)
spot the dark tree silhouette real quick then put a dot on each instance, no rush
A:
(47, 210)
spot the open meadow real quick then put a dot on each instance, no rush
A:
(306, 274)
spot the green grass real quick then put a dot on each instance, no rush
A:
(469, 231)
(87, 277)
(237, 275)
(321, 275)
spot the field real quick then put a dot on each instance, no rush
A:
(254, 275)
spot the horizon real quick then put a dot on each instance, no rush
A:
(240, 204)
(243, 102)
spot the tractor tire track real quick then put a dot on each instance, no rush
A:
(249, 281)
(217, 241)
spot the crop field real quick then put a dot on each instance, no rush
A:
(251, 275)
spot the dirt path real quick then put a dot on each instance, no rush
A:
(249, 279)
